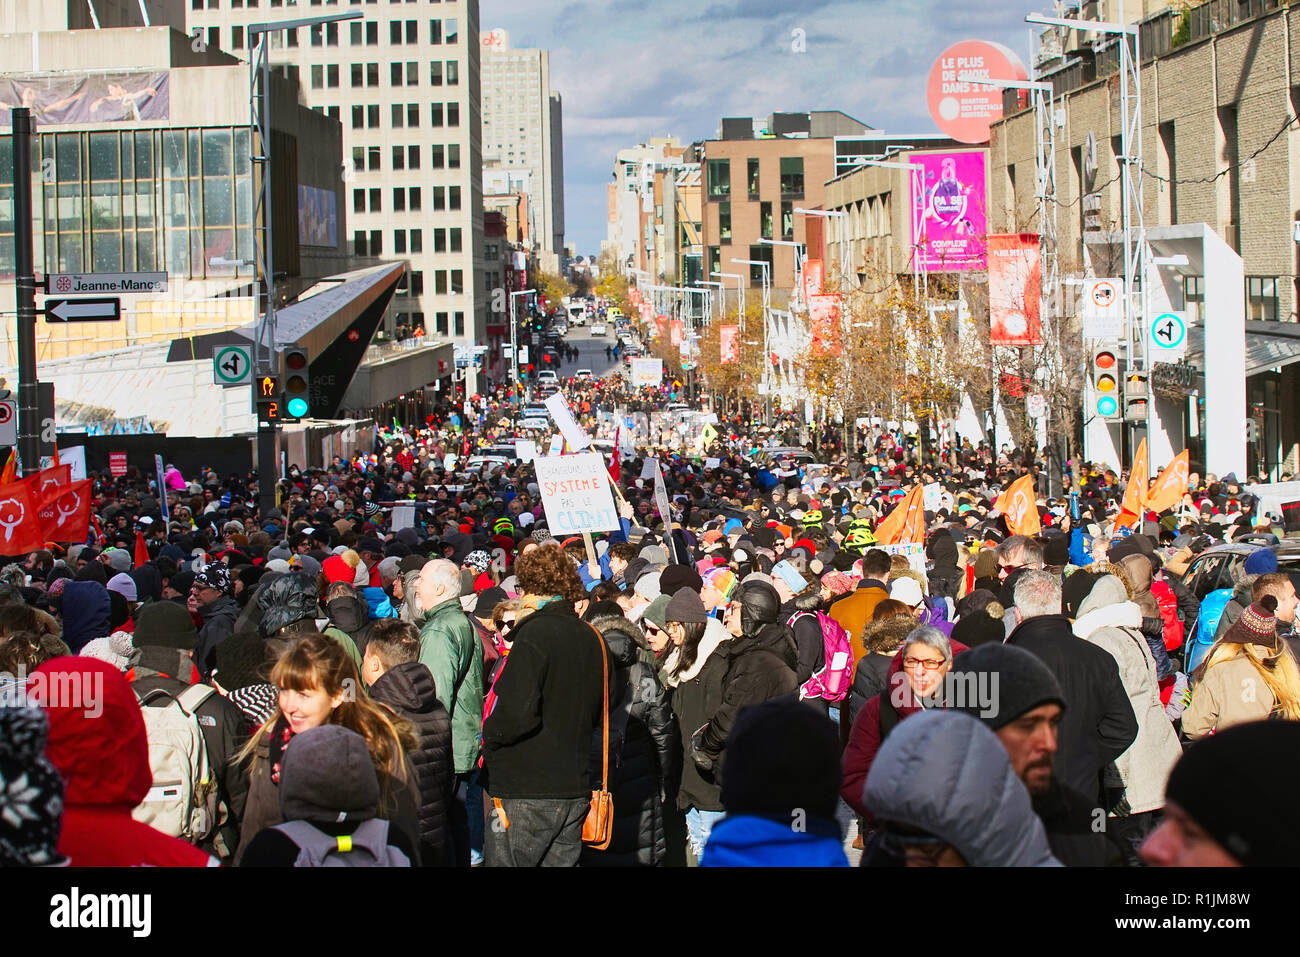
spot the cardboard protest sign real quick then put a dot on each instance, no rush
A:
(575, 493)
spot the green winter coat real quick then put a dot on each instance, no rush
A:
(451, 651)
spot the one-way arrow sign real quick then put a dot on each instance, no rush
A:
(83, 310)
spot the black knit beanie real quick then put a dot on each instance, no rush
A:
(1239, 784)
(1024, 682)
(983, 626)
(782, 755)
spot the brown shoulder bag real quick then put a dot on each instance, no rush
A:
(598, 828)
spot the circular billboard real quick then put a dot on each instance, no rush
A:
(964, 109)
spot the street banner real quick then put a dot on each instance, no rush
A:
(64, 516)
(814, 276)
(1169, 489)
(661, 327)
(20, 527)
(906, 523)
(647, 372)
(824, 323)
(951, 212)
(1015, 285)
(562, 415)
(729, 344)
(963, 109)
(675, 333)
(49, 480)
(1130, 509)
(1101, 308)
(1017, 503)
(576, 494)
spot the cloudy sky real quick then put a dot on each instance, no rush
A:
(631, 69)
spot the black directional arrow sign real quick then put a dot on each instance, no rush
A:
(83, 310)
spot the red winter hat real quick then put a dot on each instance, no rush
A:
(335, 569)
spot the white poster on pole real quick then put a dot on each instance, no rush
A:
(647, 372)
(575, 493)
(562, 415)
(403, 517)
(556, 446)
(932, 497)
(74, 456)
(526, 449)
(913, 551)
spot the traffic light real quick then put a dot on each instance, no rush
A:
(267, 402)
(1135, 397)
(297, 384)
(1105, 382)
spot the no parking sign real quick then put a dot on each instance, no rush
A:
(8, 422)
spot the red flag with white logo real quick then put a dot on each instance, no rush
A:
(65, 515)
(20, 529)
(50, 479)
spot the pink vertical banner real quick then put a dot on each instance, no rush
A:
(951, 211)
(729, 344)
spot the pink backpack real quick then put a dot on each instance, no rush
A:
(832, 681)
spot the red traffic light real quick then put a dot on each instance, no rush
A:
(295, 359)
(1104, 360)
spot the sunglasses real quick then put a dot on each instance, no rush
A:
(503, 626)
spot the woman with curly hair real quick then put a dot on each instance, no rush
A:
(537, 742)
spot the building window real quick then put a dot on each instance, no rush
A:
(332, 76)
(372, 34)
(358, 201)
(454, 241)
(412, 32)
(413, 157)
(399, 199)
(372, 74)
(441, 319)
(460, 323)
(792, 177)
(358, 75)
(237, 37)
(440, 282)
(373, 155)
(435, 73)
(763, 254)
(412, 73)
(399, 157)
(399, 115)
(719, 178)
(453, 197)
(376, 202)
(435, 31)
(453, 156)
(439, 199)
(715, 260)
(435, 114)
(417, 241)
(453, 73)
(413, 199)
(751, 175)
(355, 34)
(450, 31)
(395, 32)
(453, 114)
(359, 243)
(765, 221)
(358, 158)
(787, 220)
(1261, 298)
(358, 117)
(376, 242)
(440, 240)
(413, 116)
(724, 222)
(291, 37)
(438, 159)
(317, 76)
(372, 116)
(395, 74)
(417, 289)
(399, 240)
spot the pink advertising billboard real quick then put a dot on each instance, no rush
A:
(951, 212)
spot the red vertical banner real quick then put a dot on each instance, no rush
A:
(1015, 285)
(814, 277)
(729, 344)
(675, 333)
(661, 327)
(824, 323)
(20, 525)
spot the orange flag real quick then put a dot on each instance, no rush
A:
(1169, 489)
(1018, 504)
(906, 523)
(1130, 510)
(10, 472)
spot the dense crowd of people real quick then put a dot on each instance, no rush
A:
(401, 664)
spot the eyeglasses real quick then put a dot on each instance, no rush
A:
(929, 664)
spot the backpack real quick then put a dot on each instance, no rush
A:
(832, 681)
(1212, 606)
(183, 801)
(1168, 602)
(367, 846)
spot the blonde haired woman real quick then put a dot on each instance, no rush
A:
(1249, 675)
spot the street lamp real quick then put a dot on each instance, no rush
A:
(740, 293)
(767, 308)
(798, 263)
(722, 298)
(259, 120)
(842, 217)
(514, 341)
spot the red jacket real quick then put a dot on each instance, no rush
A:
(865, 738)
(97, 741)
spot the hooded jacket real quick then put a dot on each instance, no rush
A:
(1140, 574)
(1098, 725)
(697, 695)
(98, 743)
(946, 577)
(1107, 620)
(408, 689)
(948, 775)
(761, 665)
(218, 625)
(85, 608)
(644, 752)
(453, 655)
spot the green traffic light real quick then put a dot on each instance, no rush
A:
(1106, 405)
(297, 407)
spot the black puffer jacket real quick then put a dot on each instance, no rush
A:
(946, 577)
(351, 615)
(761, 665)
(408, 689)
(643, 753)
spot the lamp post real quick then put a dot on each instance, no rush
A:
(740, 293)
(259, 110)
(842, 218)
(514, 342)
(798, 263)
(767, 309)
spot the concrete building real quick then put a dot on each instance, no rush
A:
(523, 129)
(1219, 86)
(630, 226)
(404, 83)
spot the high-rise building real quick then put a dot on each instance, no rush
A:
(522, 130)
(404, 83)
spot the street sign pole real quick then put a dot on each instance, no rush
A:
(25, 278)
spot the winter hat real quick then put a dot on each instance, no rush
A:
(214, 575)
(117, 649)
(411, 563)
(1262, 561)
(478, 560)
(686, 607)
(676, 577)
(1076, 588)
(722, 579)
(165, 624)
(488, 599)
(1256, 626)
(838, 582)
(657, 612)
(654, 554)
(647, 586)
(983, 626)
(1225, 780)
(1056, 550)
(907, 591)
(124, 585)
(327, 776)
(119, 558)
(336, 569)
(1024, 682)
(782, 756)
(31, 791)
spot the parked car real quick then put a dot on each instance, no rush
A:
(582, 374)
(598, 329)
(547, 375)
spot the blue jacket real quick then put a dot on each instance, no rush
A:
(85, 608)
(746, 840)
(377, 603)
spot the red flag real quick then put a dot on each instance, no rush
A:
(50, 480)
(141, 550)
(20, 528)
(615, 466)
(65, 516)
